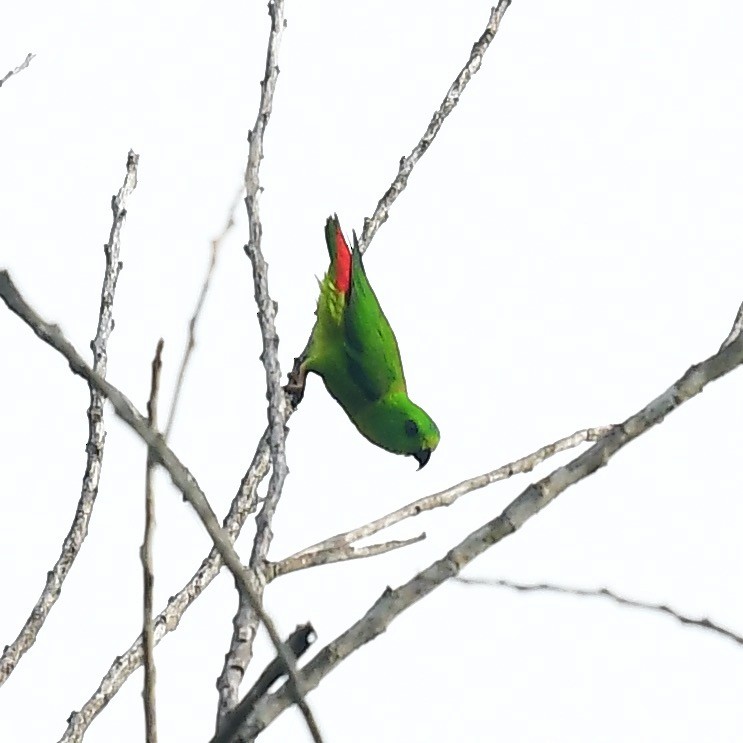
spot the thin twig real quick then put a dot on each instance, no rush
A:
(298, 642)
(332, 555)
(451, 99)
(530, 502)
(148, 694)
(705, 623)
(163, 455)
(449, 496)
(736, 330)
(96, 436)
(245, 622)
(15, 71)
(340, 547)
(193, 322)
(241, 507)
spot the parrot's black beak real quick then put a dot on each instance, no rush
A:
(422, 456)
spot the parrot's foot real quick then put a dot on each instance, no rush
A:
(297, 381)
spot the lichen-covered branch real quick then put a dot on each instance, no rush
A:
(704, 623)
(96, 436)
(530, 502)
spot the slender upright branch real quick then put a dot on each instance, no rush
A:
(193, 322)
(16, 70)
(96, 436)
(245, 622)
(162, 454)
(451, 99)
(148, 694)
(704, 623)
(532, 500)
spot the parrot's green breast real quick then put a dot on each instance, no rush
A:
(354, 350)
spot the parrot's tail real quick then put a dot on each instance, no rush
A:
(340, 255)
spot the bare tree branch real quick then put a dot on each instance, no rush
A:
(341, 546)
(193, 322)
(96, 435)
(148, 694)
(443, 498)
(451, 99)
(298, 642)
(602, 593)
(15, 71)
(179, 473)
(336, 554)
(735, 331)
(532, 500)
(245, 622)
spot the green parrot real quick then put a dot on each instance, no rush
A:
(353, 349)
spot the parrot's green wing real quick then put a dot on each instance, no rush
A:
(371, 347)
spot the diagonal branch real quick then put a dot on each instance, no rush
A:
(530, 502)
(96, 436)
(602, 593)
(342, 553)
(341, 546)
(148, 694)
(179, 474)
(16, 70)
(381, 213)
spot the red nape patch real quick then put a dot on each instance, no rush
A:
(342, 262)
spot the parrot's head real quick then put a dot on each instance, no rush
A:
(422, 433)
(398, 425)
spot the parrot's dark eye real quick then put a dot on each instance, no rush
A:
(411, 427)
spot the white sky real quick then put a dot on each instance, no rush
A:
(566, 249)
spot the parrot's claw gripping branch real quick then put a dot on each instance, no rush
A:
(297, 381)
